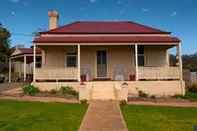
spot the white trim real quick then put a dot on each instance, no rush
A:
(105, 44)
(79, 62)
(167, 58)
(136, 62)
(10, 70)
(34, 62)
(24, 68)
(180, 61)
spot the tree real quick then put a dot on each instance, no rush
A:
(4, 44)
(189, 61)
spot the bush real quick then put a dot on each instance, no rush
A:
(53, 91)
(84, 101)
(68, 90)
(142, 94)
(30, 90)
(193, 88)
(153, 97)
(191, 95)
(123, 102)
(188, 96)
(178, 96)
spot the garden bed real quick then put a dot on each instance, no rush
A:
(65, 94)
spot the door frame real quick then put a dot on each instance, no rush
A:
(96, 73)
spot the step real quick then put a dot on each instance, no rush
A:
(103, 91)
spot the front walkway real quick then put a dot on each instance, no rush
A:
(103, 116)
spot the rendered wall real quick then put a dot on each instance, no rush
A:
(157, 88)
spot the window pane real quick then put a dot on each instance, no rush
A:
(141, 60)
(38, 62)
(141, 49)
(71, 61)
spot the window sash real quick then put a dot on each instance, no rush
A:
(71, 60)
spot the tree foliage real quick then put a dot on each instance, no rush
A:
(189, 61)
(4, 44)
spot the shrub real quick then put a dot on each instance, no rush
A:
(142, 94)
(193, 88)
(68, 90)
(123, 102)
(178, 96)
(84, 101)
(53, 91)
(191, 96)
(153, 97)
(30, 90)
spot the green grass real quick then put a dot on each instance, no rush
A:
(151, 118)
(37, 116)
(189, 96)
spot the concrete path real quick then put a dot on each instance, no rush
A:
(103, 116)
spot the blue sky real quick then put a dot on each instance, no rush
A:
(23, 17)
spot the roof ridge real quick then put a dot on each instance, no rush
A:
(147, 26)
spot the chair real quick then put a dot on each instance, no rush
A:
(85, 73)
(119, 73)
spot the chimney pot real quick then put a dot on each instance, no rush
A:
(53, 19)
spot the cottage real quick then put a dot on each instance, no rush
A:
(107, 55)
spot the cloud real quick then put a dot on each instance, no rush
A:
(145, 10)
(119, 2)
(92, 1)
(13, 13)
(174, 13)
(14, 1)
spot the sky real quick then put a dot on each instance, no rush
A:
(25, 17)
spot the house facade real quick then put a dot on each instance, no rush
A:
(106, 56)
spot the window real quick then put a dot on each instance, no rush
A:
(38, 62)
(141, 55)
(71, 59)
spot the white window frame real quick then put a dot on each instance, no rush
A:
(66, 58)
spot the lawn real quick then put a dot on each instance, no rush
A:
(152, 118)
(37, 116)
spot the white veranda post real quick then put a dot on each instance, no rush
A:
(24, 68)
(79, 62)
(136, 62)
(34, 62)
(10, 70)
(179, 57)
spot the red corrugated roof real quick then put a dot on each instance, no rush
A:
(125, 27)
(28, 51)
(107, 39)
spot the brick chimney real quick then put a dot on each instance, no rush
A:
(53, 19)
